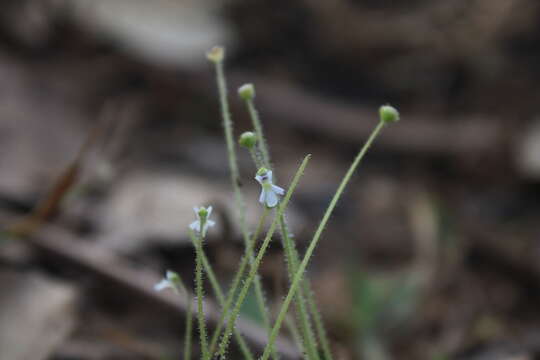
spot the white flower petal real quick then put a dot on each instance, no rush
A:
(278, 190)
(262, 196)
(259, 179)
(195, 226)
(163, 284)
(271, 199)
(169, 275)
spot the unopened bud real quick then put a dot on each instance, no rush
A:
(246, 92)
(248, 140)
(216, 54)
(262, 171)
(388, 114)
(203, 213)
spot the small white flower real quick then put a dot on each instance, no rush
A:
(269, 191)
(170, 281)
(203, 215)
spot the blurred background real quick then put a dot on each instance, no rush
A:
(431, 254)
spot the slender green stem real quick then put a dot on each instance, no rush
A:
(318, 321)
(235, 176)
(305, 293)
(300, 273)
(309, 342)
(255, 266)
(236, 281)
(244, 348)
(259, 132)
(291, 256)
(180, 288)
(229, 138)
(200, 294)
(189, 327)
(295, 333)
(259, 294)
(208, 269)
(231, 150)
(255, 156)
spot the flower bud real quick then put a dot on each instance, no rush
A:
(216, 54)
(388, 114)
(262, 171)
(248, 140)
(203, 213)
(246, 92)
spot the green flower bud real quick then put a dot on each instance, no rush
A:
(388, 114)
(246, 92)
(203, 213)
(216, 54)
(248, 140)
(262, 171)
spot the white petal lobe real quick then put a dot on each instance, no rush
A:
(262, 197)
(278, 190)
(271, 199)
(163, 284)
(195, 226)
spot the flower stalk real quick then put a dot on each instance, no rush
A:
(256, 263)
(298, 276)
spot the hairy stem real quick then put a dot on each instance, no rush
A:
(189, 327)
(317, 319)
(291, 256)
(229, 140)
(306, 293)
(221, 301)
(261, 140)
(236, 282)
(235, 176)
(295, 333)
(255, 266)
(302, 268)
(261, 157)
(200, 294)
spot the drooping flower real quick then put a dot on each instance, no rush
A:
(170, 281)
(203, 215)
(269, 193)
